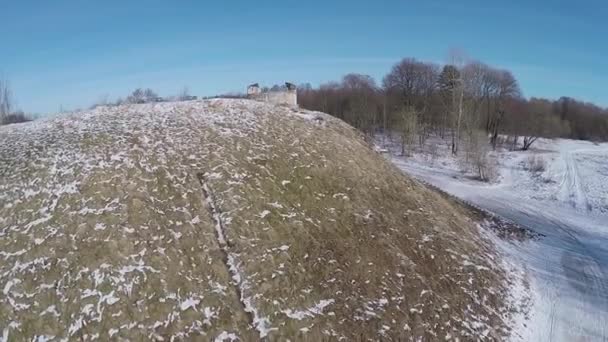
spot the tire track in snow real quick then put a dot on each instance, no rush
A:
(573, 279)
(572, 190)
(584, 276)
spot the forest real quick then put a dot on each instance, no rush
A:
(465, 102)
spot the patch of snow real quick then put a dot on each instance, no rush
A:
(189, 303)
(100, 226)
(9, 284)
(313, 311)
(226, 336)
(276, 205)
(52, 310)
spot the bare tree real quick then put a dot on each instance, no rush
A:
(137, 96)
(508, 88)
(412, 84)
(533, 119)
(141, 96)
(6, 100)
(476, 84)
(448, 83)
(184, 94)
(457, 59)
(463, 97)
(476, 156)
(16, 117)
(408, 129)
(150, 95)
(360, 101)
(458, 103)
(412, 81)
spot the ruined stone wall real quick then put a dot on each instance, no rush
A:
(285, 97)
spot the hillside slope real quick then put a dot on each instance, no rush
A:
(230, 219)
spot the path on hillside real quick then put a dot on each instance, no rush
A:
(568, 267)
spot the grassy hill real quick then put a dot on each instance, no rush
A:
(228, 219)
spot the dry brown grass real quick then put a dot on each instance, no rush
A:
(313, 218)
(535, 164)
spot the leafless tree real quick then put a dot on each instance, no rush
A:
(408, 128)
(137, 96)
(184, 94)
(150, 95)
(585, 120)
(448, 84)
(476, 156)
(412, 84)
(457, 60)
(6, 99)
(141, 96)
(459, 91)
(464, 97)
(360, 101)
(507, 88)
(413, 81)
(16, 117)
(532, 119)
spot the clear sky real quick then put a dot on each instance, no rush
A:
(71, 53)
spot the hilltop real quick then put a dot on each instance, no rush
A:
(231, 219)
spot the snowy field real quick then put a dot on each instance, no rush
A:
(566, 200)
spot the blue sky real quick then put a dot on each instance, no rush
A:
(71, 53)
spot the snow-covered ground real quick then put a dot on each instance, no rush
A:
(568, 204)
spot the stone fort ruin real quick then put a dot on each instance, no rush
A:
(285, 96)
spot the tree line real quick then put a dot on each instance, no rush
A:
(141, 95)
(462, 101)
(9, 114)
